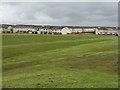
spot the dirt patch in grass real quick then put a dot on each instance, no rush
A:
(22, 65)
(107, 64)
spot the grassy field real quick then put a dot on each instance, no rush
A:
(60, 61)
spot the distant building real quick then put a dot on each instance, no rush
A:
(40, 29)
(66, 31)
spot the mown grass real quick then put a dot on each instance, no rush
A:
(60, 61)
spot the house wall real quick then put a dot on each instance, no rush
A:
(107, 32)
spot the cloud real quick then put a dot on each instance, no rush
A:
(41, 18)
(60, 13)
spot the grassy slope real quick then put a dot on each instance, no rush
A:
(75, 61)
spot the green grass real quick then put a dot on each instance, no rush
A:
(60, 61)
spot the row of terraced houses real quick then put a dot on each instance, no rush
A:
(62, 30)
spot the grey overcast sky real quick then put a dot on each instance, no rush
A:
(60, 13)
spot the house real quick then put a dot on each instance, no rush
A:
(65, 31)
(58, 30)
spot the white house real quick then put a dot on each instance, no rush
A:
(65, 31)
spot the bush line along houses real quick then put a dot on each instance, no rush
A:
(43, 29)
